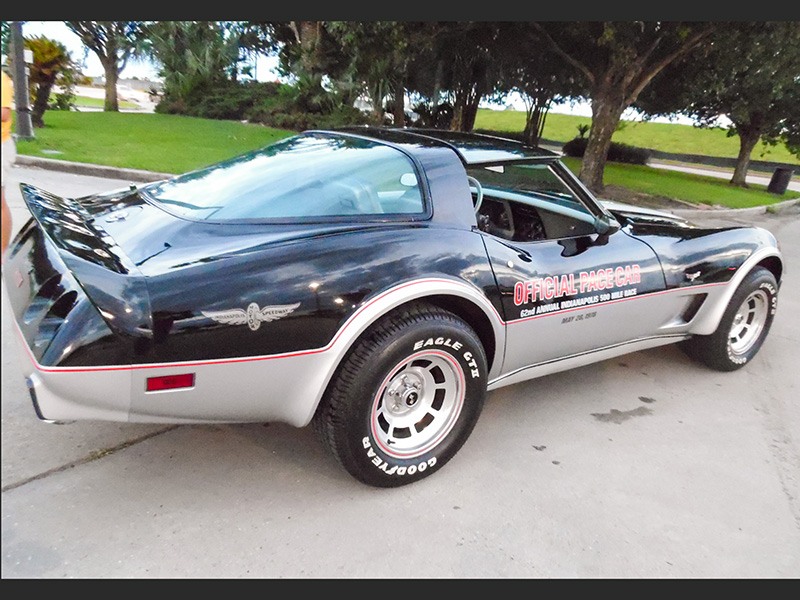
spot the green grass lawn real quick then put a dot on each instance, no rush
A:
(696, 189)
(154, 142)
(100, 102)
(176, 144)
(665, 137)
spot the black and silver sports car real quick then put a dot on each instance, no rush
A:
(373, 282)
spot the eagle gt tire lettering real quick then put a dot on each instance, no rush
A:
(743, 327)
(406, 397)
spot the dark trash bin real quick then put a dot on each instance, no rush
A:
(780, 180)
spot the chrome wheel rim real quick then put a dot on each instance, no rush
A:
(418, 404)
(749, 322)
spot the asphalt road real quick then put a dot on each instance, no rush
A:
(643, 466)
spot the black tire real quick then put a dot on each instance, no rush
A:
(744, 325)
(406, 398)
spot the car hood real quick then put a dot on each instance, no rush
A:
(630, 213)
(689, 254)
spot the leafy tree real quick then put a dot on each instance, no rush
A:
(749, 73)
(451, 67)
(378, 54)
(617, 61)
(114, 43)
(5, 47)
(193, 55)
(465, 50)
(314, 58)
(791, 132)
(388, 59)
(304, 47)
(251, 40)
(535, 72)
(51, 60)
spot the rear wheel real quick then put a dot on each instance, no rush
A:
(743, 327)
(406, 397)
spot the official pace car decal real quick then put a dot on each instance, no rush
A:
(545, 292)
(253, 316)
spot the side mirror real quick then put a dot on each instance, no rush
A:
(605, 226)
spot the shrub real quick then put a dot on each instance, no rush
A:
(273, 104)
(623, 153)
(439, 118)
(228, 100)
(509, 135)
(575, 148)
(343, 116)
(64, 101)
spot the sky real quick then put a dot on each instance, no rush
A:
(264, 69)
(57, 30)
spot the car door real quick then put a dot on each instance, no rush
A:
(565, 289)
(559, 302)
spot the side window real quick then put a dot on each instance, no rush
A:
(527, 203)
(391, 182)
(305, 177)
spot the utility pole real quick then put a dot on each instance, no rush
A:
(21, 101)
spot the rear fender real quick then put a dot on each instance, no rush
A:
(397, 296)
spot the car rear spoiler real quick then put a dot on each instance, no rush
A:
(69, 226)
(109, 278)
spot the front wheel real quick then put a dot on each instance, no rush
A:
(743, 327)
(406, 397)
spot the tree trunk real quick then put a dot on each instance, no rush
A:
(40, 104)
(458, 116)
(376, 95)
(534, 125)
(399, 104)
(466, 108)
(470, 114)
(437, 87)
(309, 42)
(112, 76)
(749, 135)
(605, 118)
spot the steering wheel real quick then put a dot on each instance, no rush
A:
(479, 191)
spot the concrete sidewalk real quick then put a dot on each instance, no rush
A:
(752, 178)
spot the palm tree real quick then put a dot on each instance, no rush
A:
(50, 59)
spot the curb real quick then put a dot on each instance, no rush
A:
(91, 170)
(151, 176)
(736, 212)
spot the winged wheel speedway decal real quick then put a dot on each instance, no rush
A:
(253, 316)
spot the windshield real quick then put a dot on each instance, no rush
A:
(528, 182)
(307, 176)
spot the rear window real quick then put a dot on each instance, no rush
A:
(308, 176)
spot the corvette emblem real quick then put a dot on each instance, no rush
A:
(253, 316)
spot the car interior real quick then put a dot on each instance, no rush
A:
(528, 217)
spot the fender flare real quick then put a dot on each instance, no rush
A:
(391, 299)
(710, 315)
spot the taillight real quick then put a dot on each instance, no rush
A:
(170, 382)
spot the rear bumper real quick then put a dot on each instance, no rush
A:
(61, 395)
(32, 391)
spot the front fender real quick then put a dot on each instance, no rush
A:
(708, 317)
